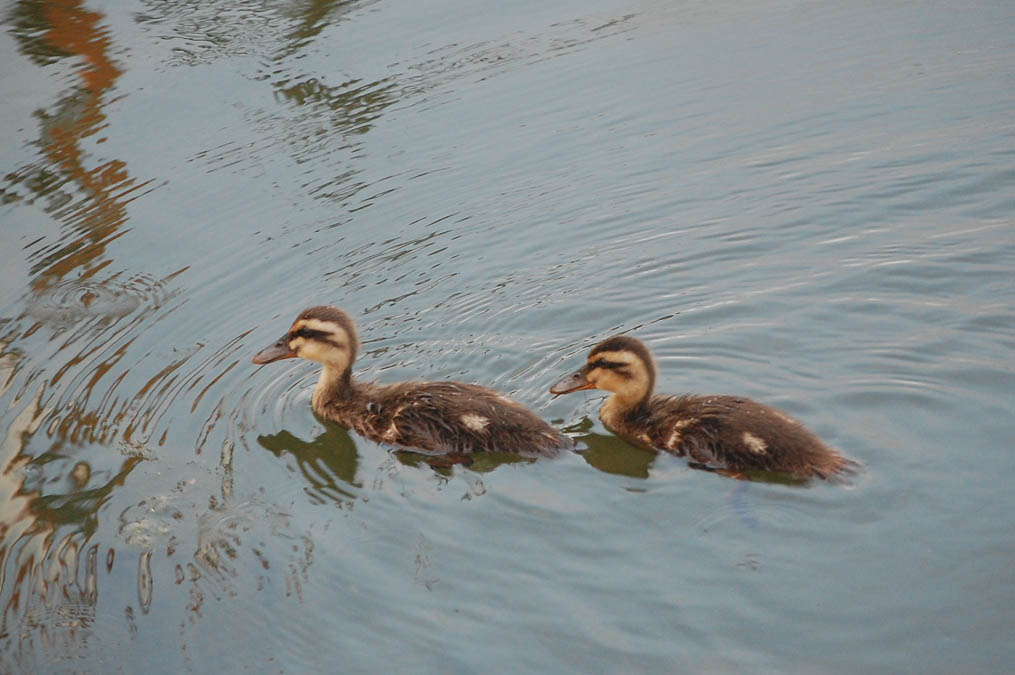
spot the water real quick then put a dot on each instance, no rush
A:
(806, 203)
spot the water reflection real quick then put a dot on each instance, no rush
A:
(89, 343)
(49, 588)
(322, 115)
(268, 29)
(85, 351)
(89, 198)
(230, 528)
(610, 454)
(328, 463)
(483, 462)
(87, 318)
(72, 359)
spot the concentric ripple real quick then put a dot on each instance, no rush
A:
(115, 297)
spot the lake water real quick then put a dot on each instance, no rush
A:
(808, 203)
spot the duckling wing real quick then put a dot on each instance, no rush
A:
(451, 417)
(737, 433)
(695, 426)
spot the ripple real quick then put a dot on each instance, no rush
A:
(70, 302)
(745, 506)
(286, 391)
(222, 535)
(112, 376)
(258, 398)
(150, 522)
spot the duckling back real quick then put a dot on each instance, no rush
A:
(444, 418)
(730, 433)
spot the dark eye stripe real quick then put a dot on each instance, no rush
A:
(319, 335)
(603, 363)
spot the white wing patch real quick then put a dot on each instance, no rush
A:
(475, 422)
(674, 440)
(676, 437)
(392, 432)
(754, 444)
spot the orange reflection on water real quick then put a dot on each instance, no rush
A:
(96, 216)
(48, 572)
(47, 583)
(74, 29)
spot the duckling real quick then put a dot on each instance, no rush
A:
(440, 418)
(728, 434)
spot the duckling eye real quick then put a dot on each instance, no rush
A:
(601, 363)
(316, 335)
(308, 333)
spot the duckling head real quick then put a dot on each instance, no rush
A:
(621, 365)
(323, 334)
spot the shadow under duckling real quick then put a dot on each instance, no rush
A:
(451, 419)
(731, 435)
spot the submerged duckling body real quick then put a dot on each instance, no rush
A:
(430, 417)
(730, 434)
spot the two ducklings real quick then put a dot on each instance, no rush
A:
(729, 434)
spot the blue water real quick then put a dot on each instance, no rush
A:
(805, 203)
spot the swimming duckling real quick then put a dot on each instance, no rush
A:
(431, 417)
(728, 434)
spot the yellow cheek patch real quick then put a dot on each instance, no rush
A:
(630, 384)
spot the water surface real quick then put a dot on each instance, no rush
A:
(807, 203)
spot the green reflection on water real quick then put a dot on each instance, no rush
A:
(611, 454)
(328, 462)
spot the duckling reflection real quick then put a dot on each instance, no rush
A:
(608, 453)
(441, 418)
(731, 435)
(480, 462)
(328, 463)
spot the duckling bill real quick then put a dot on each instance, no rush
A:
(729, 434)
(446, 418)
